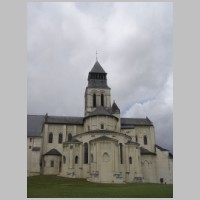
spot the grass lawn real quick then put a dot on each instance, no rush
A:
(55, 187)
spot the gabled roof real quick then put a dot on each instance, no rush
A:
(97, 68)
(64, 120)
(135, 122)
(35, 125)
(146, 151)
(53, 152)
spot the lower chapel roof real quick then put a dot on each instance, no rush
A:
(146, 151)
(35, 122)
(53, 152)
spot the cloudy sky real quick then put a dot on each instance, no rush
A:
(134, 43)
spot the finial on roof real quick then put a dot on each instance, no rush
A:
(96, 55)
(46, 116)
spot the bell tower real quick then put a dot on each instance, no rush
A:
(97, 92)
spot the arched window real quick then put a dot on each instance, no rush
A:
(69, 136)
(86, 153)
(130, 160)
(76, 160)
(52, 163)
(50, 137)
(102, 99)
(121, 153)
(60, 138)
(136, 138)
(145, 139)
(102, 126)
(64, 159)
(94, 100)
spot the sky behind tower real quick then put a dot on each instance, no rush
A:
(134, 43)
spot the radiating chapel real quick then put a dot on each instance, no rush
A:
(101, 147)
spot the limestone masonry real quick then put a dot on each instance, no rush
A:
(101, 146)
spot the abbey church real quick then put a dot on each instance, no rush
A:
(101, 146)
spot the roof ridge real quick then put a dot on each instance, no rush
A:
(34, 115)
(63, 116)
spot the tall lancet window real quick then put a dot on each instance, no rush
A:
(86, 153)
(145, 139)
(102, 99)
(94, 100)
(130, 160)
(60, 138)
(50, 139)
(121, 153)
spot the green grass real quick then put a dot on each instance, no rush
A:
(55, 187)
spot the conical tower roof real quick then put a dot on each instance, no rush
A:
(97, 68)
(115, 108)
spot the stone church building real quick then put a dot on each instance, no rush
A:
(101, 146)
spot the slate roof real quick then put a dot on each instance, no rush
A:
(97, 68)
(100, 110)
(132, 142)
(73, 140)
(97, 83)
(135, 121)
(101, 131)
(104, 138)
(53, 152)
(146, 151)
(35, 122)
(64, 120)
(162, 149)
(115, 108)
(127, 126)
(35, 125)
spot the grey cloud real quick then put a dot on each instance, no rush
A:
(134, 41)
